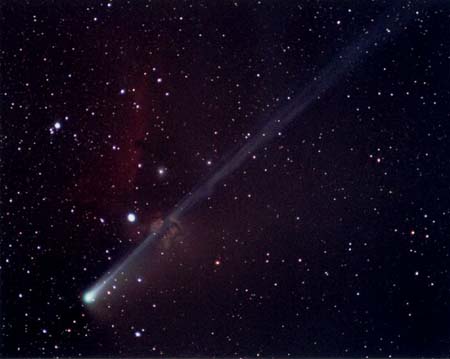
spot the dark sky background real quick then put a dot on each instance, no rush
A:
(332, 239)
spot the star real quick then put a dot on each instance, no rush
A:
(161, 171)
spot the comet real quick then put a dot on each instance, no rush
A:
(347, 59)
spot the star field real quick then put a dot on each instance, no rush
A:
(331, 239)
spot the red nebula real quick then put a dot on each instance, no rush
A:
(107, 179)
(170, 234)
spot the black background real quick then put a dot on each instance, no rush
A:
(333, 240)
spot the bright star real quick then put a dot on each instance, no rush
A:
(161, 171)
(131, 217)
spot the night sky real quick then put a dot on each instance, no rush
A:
(329, 239)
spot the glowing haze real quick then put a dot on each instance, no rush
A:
(347, 59)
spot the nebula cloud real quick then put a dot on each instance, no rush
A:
(347, 59)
